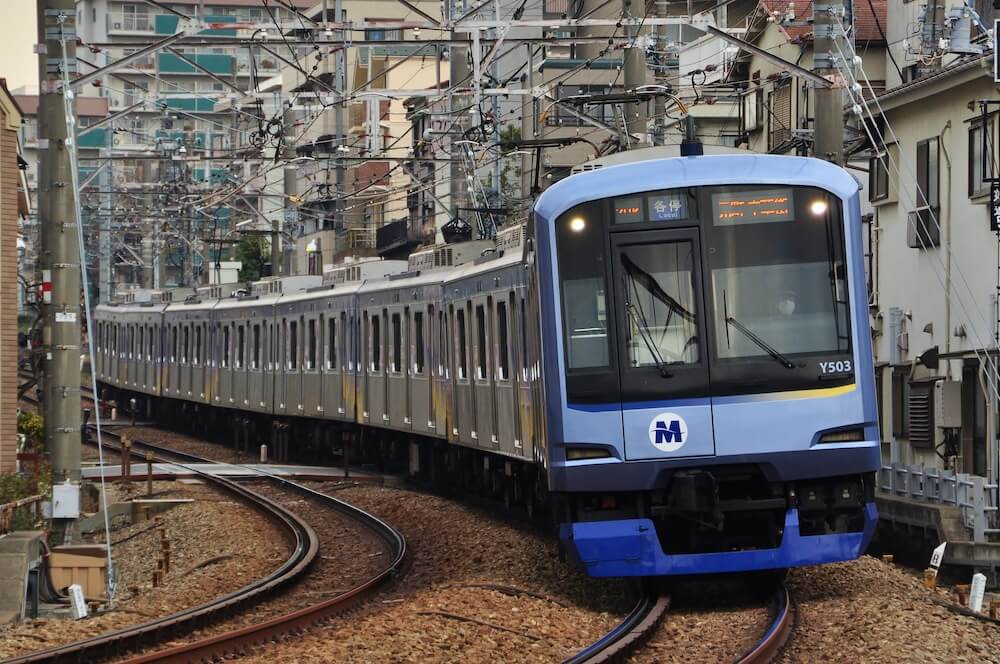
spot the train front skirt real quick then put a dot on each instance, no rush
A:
(630, 547)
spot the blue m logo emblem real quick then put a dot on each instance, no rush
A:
(668, 433)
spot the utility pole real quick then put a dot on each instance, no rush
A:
(291, 190)
(459, 74)
(635, 76)
(60, 256)
(828, 127)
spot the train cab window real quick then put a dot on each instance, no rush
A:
(418, 342)
(482, 371)
(293, 345)
(375, 349)
(310, 359)
(255, 357)
(240, 346)
(397, 344)
(331, 342)
(463, 351)
(580, 232)
(225, 346)
(503, 343)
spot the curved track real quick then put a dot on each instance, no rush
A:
(777, 634)
(628, 634)
(146, 635)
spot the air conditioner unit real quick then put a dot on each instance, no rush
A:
(117, 26)
(115, 103)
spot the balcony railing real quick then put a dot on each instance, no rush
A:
(129, 22)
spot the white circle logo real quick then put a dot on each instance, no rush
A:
(668, 432)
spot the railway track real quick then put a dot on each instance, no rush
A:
(649, 610)
(304, 558)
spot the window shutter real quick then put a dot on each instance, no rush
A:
(922, 415)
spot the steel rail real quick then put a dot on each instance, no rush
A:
(777, 634)
(305, 550)
(222, 645)
(628, 634)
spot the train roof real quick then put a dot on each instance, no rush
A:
(652, 174)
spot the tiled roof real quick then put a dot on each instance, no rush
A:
(865, 23)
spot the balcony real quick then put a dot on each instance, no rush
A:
(130, 23)
(167, 24)
(213, 62)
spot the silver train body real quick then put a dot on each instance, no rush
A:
(448, 352)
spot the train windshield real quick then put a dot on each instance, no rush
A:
(703, 292)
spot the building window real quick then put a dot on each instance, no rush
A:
(878, 178)
(980, 173)
(565, 115)
(378, 34)
(780, 116)
(922, 224)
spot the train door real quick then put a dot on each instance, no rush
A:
(312, 381)
(347, 356)
(484, 396)
(269, 331)
(662, 355)
(375, 406)
(332, 360)
(184, 365)
(504, 374)
(419, 392)
(443, 404)
(226, 364)
(254, 368)
(240, 372)
(198, 377)
(397, 369)
(175, 358)
(465, 400)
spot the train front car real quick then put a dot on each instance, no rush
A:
(709, 387)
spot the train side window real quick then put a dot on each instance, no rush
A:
(255, 358)
(444, 357)
(331, 343)
(463, 367)
(173, 344)
(293, 345)
(482, 372)
(376, 343)
(524, 341)
(310, 359)
(503, 341)
(397, 344)
(241, 346)
(418, 342)
(185, 344)
(142, 341)
(197, 345)
(225, 346)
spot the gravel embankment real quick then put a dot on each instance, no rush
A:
(217, 545)
(478, 589)
(870, 611)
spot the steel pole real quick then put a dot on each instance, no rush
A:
(828, 137)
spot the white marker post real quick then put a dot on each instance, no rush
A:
(977, 592)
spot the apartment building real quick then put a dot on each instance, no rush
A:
(365, 136)
(174, 142)
(91, 143)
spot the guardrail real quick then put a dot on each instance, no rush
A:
(9, 511)
(975, 498)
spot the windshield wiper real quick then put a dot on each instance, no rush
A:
(654, 352)
(764, 346)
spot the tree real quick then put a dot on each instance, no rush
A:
(253, 251)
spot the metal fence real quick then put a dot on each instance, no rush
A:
(974, 497)
(15, 515)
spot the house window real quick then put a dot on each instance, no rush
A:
(562, 115)
(922, 224)
(780, 104)
(980, 173)
(878, 177)
(379, 34)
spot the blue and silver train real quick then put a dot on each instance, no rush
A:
(672, 358)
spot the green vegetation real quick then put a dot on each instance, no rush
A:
(36, 480)
(253, 251)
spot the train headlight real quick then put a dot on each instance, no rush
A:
(580, 453)
(818, 207)
(843, 436)
(577, 224)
